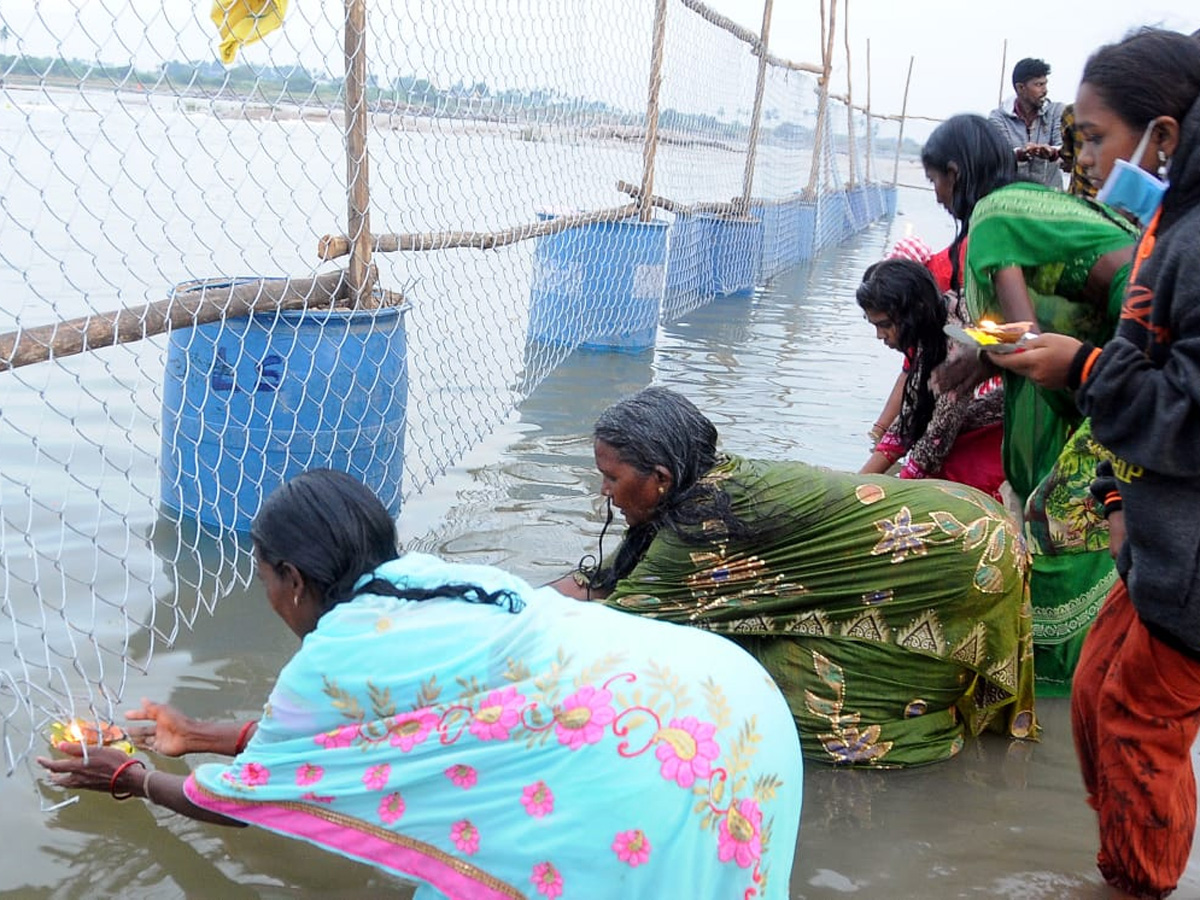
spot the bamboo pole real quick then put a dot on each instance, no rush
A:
(824, 56)
(645, 212)
(674, 206)
(851, 149)
(870, 127)
(195, 303)
(334, 246)
(743, 34)
(358, 199)
(1003, 73)
(903, 114)
(782, 63)
(756, 116)
(823, 96)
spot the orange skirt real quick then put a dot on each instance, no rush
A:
(1135, 712)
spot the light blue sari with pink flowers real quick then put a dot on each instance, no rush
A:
(567, 750)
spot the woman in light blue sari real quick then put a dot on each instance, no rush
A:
(456, 726)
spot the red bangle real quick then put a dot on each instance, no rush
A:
(112, 784)
(243, 738)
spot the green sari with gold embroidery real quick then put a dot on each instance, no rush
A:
(893, 614)
(1048, 452)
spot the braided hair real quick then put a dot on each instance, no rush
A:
(333, 529)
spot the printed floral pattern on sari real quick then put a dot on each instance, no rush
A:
(903, 537)
(648, 714)
(632, 847)
(845, 742)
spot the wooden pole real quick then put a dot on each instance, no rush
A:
(358, 197)
(903, 114)
(645, 210)
(824, 58)
(827, 34)
(870, 124)
(1003, 73)
(190, 304)
(673, 206)
(756, 117)
(851, 149)
(333, 246)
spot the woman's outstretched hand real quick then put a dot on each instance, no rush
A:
(169, 732)
(95, 773)
(1045, 359)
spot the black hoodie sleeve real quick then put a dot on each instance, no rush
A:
(1148, 412)
(1104, 490)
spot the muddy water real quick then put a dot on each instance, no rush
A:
(793, 372)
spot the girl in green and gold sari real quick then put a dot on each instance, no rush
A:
(1059, 262)
(893, 614)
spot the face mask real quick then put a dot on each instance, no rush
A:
(1131, 189)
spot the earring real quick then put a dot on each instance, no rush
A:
(1163, 164)
(661, 490)
(296, 600)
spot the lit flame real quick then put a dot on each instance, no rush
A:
(74, 732)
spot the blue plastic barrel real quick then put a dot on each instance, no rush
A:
(250, 402)
(804, 216)
(776, 233)
(599, 286)
(859, 213)
(874, 202)
(689, 266)
(736, 249)
(889, 200)
(833, 219)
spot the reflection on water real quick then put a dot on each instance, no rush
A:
(793, 372)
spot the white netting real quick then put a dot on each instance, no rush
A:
(140, 176)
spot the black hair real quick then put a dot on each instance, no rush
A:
(333, 529)
(906, 293)
(1028, 69)
(1151, 72)
(983, 162)
(658, 427)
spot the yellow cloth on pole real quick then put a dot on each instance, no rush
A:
(244, 22)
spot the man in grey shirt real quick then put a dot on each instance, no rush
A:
(1032, 125)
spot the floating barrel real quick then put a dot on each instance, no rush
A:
(875, 208)
(860, 215)
(889, 200)
(833, 219)
(773, 257)
(599, 286)
(737, 243)
(250, 402)
(689, 266)
(803, 214)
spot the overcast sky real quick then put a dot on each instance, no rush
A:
(958, 45)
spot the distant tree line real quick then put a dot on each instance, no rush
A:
(407, 94)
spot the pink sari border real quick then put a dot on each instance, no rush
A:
(358, 840)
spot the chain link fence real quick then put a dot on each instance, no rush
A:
(358, 243)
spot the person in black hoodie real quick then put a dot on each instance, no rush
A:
(1136, 696)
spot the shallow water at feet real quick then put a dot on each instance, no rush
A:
(793, 372)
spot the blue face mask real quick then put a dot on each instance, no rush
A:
(1131, 189)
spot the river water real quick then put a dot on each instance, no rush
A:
(793, 372)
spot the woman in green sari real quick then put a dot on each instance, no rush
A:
(1060, 262)
(893, 614)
